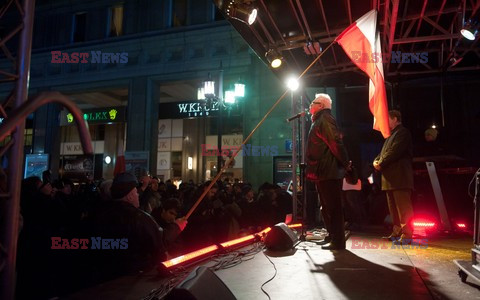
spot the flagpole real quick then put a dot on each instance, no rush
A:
(189, 213)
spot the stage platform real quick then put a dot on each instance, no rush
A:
(308, 272)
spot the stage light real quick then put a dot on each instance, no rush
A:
(297, 225)
(108, 159)
(424, 222)
(244, 13)
(238, 241)
(470, 30)
(434, 126)
(461, 225)
(292, 83)
(274, 58)
(190, 256)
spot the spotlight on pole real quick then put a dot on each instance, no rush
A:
(273, 58)
(292, 83)
(470, 29)
(242, 12)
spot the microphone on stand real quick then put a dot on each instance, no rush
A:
(299, 115)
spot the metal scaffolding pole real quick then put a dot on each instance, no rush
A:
(12, 207)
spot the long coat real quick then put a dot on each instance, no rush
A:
(395, 160)
(326, 156)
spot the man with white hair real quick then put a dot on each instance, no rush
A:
(327, 160)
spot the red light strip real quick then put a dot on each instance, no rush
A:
(423, 224)
(295, 225)
(192, 255)
(238, 241)
(265, 231)
(189, 256)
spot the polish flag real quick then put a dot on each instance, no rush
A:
(120, 161)
(361, 43)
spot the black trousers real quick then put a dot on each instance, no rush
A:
(330, 193)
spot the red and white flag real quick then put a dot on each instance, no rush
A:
(359, 41)
(120, 160)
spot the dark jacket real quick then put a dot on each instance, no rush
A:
(118, 219)
(327, 156)
(395, 160)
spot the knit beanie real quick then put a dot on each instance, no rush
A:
(123, 184)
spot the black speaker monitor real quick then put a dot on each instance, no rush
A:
(280, 238)
(201, 284)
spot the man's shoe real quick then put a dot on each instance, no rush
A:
(326, 240)
(333, 246)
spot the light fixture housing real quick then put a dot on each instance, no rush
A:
(470, 30)
(274, 59)
(242, 12)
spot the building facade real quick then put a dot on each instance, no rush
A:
(137, 60)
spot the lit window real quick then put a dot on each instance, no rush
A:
(116, 20)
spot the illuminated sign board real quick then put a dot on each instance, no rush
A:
(193, 109)
(96, 116)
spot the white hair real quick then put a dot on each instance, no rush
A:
(323, 99)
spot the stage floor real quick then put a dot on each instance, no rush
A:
(309, 272)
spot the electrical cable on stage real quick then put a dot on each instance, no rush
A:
(270, 278)
(419, 275)
(179, 275)
(234, 258)
(223, 261)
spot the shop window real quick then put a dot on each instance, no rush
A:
(97, 132)
(79, 27)
(115, 22)
(177, 164)
(28, 137)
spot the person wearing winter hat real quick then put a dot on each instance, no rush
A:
(120, 218)
(124, 187)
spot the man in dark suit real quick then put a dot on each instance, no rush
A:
(327, 161)
(395, 163)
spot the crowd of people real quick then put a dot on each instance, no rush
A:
(147, 214)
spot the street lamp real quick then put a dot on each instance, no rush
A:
(207, 93)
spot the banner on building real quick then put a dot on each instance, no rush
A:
(76, 167)
(35, 164)
(137, 162)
